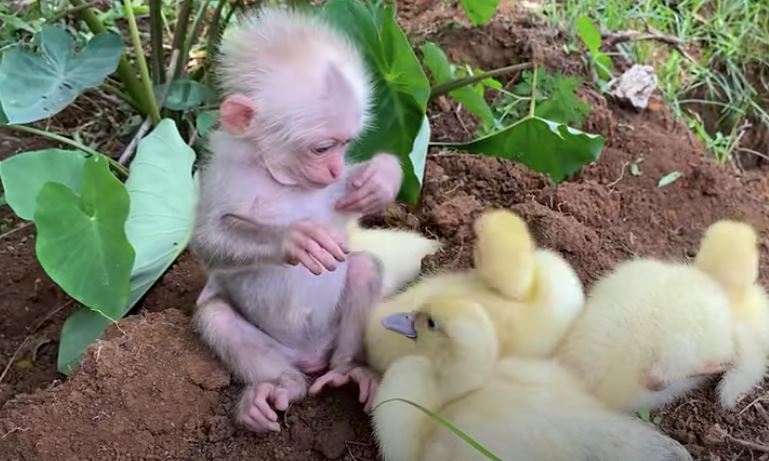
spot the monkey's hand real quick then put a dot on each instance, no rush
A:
(254, 409)
(367, 380)
(373, 186)
(315, 246)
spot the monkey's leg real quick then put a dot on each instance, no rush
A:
(362, 292)
(256, 358)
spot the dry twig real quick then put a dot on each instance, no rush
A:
(612, 39)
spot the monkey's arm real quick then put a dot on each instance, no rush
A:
(231, 241)
(234, 241)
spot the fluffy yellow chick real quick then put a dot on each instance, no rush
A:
(399, 251)
(729, 254)
(533, 295)
(519, 409)
(652, 330)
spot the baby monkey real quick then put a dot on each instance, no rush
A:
(285, 297)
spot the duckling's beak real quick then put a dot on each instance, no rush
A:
(402, 322)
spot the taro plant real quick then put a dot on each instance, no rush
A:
(108, 226)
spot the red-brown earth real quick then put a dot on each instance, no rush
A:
(150, 391)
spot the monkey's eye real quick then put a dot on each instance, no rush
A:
(323, 147)
(431, 324)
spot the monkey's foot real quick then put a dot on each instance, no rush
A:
(255, 411)
(367, 380)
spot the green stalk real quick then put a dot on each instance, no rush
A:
(533, 103)
(69, 142)
(149, 92)
(182, 20)
(111, 89)
(213, 33)
(197, 25)
(452, 85)
(445, 423)
(125, 70)
(156, 39)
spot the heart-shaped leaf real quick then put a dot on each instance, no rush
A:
(401, 86)
(23, 175)
(34, 86)
(80, 330)
(163, 196)
(479, 11)
(542, 145)
(440, 68)
(205, 121)
(81, 240)
(184, 94)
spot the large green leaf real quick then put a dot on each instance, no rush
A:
(34, 86)
(81, 328)
(184, 94)
(163, 196)
(469, 96)
(401, 86)
(542, 145)
(479, 11)
(81, 240)
(23, 176)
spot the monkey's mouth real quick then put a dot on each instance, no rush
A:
(402, 323)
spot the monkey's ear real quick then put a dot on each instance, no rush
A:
(236, 113)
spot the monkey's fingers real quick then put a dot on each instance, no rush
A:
(321, 255)
(307, 261)
(349, 202)
(263, 392)
(332, 378)
(324, 238)
(364, 176)
(279, 398)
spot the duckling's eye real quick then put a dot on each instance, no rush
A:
(431, 324)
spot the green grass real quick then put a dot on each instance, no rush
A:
(730, 78)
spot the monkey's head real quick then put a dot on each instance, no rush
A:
(298, 90)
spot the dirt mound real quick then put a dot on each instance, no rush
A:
(149, 390)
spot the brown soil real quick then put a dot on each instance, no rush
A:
(149, 391)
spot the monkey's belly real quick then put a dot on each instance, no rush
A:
(292, 305)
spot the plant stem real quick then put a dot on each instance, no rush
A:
(111, 89)
(213, 33)
(156, 39)
(69, 142)
(197, 24)
(125, 70)
(533, 102)
(149, 92)
(452, 85)
(180, 35)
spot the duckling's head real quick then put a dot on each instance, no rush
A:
(448, 329)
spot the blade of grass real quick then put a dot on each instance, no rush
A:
(445, 423)
(149, 92)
